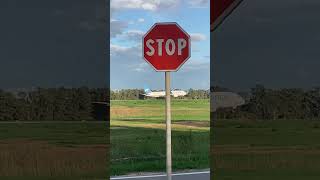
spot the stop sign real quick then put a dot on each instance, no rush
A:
(166, 46)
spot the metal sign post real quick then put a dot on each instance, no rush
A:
(166, 47)
(168, 125)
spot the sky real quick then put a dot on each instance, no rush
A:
(53, 43)
(273, 43)
(66, 43)
(131, 19)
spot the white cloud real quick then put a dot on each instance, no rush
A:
(142, 67)
(198, 37)
(195, 65)
(117, 27)
(199, 3)
(149, 5)
(124, 52)
(141, 20)
(133, 35)
(114, 49)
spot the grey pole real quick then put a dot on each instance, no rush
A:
(168, 125)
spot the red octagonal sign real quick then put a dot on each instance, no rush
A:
(166, 46)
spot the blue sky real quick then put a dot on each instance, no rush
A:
(130, 19)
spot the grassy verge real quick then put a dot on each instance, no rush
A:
(138, 135)
(143, 150)
(53, 151)
(288, 149)
(78, 150)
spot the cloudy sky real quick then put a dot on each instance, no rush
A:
(65, 43)
(274, 43)
(130, 19)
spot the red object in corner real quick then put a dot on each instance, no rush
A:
(219, 10)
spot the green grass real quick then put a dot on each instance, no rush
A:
(241, 149)
(282, 149)
(77, 133)
(78, 150)
(138, 135)
(143, 150)
(154, 109)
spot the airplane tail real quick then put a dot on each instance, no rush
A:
(147, 90)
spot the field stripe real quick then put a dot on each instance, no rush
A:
(160, 175)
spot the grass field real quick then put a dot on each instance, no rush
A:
(197, 110)
(79, 150)
(242, 149)
(53, 151)
(138, 135)
(258, 150)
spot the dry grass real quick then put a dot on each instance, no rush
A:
(36, 158)
(128, 112)
(194, 123)
(265, 157)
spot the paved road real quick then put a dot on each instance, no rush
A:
(205, 175)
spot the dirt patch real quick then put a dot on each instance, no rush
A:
(121, 111)
(131, 112)
(194, 123)
(175, 125)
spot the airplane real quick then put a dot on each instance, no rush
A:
(178, 93)
(158, 94)
(223, 99)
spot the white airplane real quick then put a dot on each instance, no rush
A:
(178, 93)
(157, 94)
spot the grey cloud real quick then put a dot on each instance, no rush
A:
(198, 37)
(199, 3)
(132, 35)
(125, 54)
(117, 27)
(154, 5)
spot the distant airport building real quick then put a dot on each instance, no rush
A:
(225, 100)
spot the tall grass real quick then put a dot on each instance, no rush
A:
(284, 149)
(33, 158)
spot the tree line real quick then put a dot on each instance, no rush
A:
(51, 104)
(135, 94)
(59, 104)
(273, 104)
